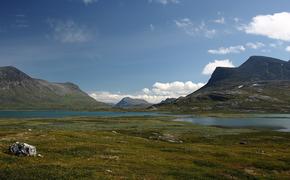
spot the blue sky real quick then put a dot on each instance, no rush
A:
(151, 49)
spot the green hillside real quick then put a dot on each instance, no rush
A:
(20, 91)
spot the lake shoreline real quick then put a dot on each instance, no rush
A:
(280, 122)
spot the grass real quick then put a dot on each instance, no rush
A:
(141, 148)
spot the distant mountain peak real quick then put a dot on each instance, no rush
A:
(128, 102)
(261, 60)
(133, 99)
(11, 73)
(168, 101)
(127, 98)
(256, 68)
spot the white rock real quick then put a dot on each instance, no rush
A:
(22, 149)
(39, 155)
(109, 171)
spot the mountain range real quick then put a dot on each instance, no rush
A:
(261, 84)
(130, 103)
(20, 91)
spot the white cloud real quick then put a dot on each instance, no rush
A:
(274, 26)
(191, 29)
(228, 50)
(211, 66)
(175, 89)
(87, 2)
(157, 93)
(288, 49)
(69, 31)
(256, 45)
(220, 20)
(165, 2)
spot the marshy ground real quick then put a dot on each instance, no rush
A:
(141, 148)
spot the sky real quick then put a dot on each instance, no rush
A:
(149, 49)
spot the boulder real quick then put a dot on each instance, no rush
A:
(22, 149)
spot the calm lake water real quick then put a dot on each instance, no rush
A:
(279, 122)
(61, 114)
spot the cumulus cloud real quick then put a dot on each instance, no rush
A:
(256, 45)
(165, 2)
(275, 26)
(288, 49)
(191, 29)
(227, 50)
(69, 31)
(155, 94)
(174, 89)
(211, 66)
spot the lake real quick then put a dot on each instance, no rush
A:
(61, 114)
(279, 122)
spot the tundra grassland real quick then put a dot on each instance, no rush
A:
(141, 148)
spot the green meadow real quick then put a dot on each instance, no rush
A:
(141, 148)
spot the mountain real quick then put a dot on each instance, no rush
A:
(256, 68)
(20, 91)
(130, 103)
(261, 84)
(168, 101)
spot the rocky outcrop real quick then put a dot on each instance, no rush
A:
(22, 149)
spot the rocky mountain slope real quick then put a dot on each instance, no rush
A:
(261, 84)
(130, 103)
(20, 91)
